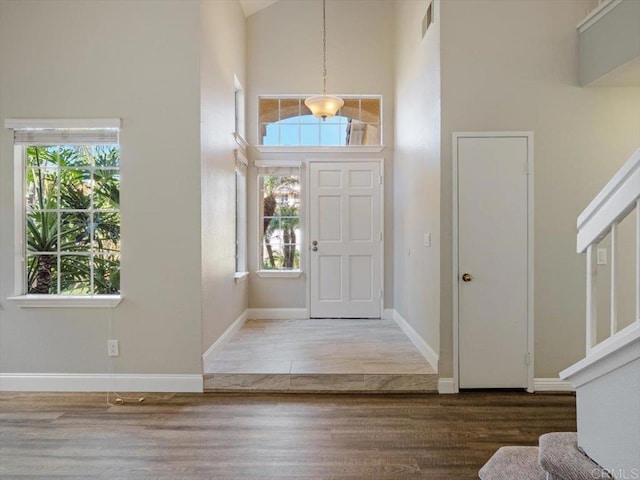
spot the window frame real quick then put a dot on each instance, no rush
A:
(319, 149)
(20, 297)
(295, 169)
(241, 271)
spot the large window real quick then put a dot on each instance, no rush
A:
(279, 219)
(71, 214)
(286, 121)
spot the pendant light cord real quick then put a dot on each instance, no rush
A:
(324, 47)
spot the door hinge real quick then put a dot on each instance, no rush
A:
(380, 179)
(380, 293)
(527, 359)
(380, 236)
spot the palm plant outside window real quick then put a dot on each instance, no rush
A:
(280, 222)
(72, 219)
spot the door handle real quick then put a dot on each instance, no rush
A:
(315, 249)
(314, 243)
(466, 277)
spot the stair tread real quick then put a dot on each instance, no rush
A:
(510, 463)
(559, 455)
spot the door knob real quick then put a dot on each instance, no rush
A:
(314, 243)
(315, 249)
(466, 277)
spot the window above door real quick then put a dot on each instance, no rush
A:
(285, 124)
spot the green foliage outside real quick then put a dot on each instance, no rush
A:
(281, 219)
(73, 219)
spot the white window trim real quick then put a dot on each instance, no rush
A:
(71, 123)
(302, 149)
(240, 276)
(293, 164)
(241, 216)
(279, 273)
(66, 301)
(240, 114)
(48, 301)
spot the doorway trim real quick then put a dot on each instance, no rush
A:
(307, 221)
(530, 249)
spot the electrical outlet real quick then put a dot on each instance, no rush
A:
(113, 349)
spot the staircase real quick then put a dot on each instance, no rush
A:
(557, 458)
(607, 380)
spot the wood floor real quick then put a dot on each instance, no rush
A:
(235, 436)
(320, 355)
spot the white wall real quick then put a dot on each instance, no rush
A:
(139, 61)
(417, 170)
(223, 56)
(284, 52)
(513, 66)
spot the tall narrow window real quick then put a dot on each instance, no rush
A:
(239, 112)
(241, 213)
(71, 214)
(279, 219)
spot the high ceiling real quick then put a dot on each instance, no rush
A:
(252, 6)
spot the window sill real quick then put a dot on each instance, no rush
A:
(66, 301)
(241, 276)
(298, 149)
(279, 273)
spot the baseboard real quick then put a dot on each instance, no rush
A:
(100, 382)
(214, 350)
(423, 347)
(446, 386)
(552, 385)
(276, 313)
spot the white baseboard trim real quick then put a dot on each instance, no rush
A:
(446, 386)
(100, 382)
(214, 350)
(423, 347)
(276, 313)
(552, 385)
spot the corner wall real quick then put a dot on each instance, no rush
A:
(417, 170)
(139, 61)
(223, 56)
(514, 66)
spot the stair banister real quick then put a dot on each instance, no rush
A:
(603, 215)
(607, 379)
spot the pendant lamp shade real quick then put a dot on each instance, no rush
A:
(324, 106)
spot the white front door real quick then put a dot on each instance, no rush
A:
(493, 261)
(345, 239)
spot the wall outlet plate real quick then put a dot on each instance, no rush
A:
(113, 349)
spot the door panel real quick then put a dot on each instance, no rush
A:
(345, 222)
(492, 248)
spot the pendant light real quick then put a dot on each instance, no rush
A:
(324, 106)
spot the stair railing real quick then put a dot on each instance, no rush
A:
(603, 215)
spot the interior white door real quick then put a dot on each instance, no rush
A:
(492, 261)
(345, 240)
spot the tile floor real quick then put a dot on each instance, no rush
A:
(320, 355)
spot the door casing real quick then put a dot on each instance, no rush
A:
(530, 248)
